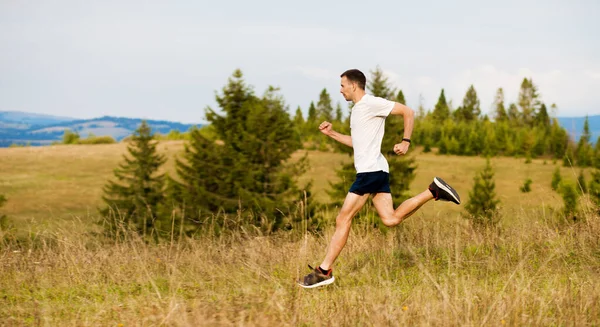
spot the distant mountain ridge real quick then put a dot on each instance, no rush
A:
(39, 129)
(31, 118)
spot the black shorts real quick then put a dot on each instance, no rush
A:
(371, 182)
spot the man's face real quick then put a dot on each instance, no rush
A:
(347, 88)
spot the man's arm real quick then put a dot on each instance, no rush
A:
(409, 120)
(326, 129)
(408, 115)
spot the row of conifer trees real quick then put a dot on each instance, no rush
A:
(238, 170)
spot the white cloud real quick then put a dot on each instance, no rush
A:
(315, 73)
(592, 75)
(424, 81)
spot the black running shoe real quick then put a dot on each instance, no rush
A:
(442, 191)
(316, 278)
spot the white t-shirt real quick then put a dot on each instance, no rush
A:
(367, 125)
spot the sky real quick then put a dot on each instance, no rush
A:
(167, 59)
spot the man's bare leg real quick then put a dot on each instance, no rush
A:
(351, 206)
(390, 217)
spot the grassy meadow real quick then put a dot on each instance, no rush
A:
(433, 269)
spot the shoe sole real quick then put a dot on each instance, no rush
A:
(444, 186)
(323, 283)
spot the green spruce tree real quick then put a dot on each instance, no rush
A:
(490, 142)
(310, 131)
(379, 85)
(312, 114)
(206, 187)
(582, 185)
(298, 118)
(584, 152)
(500, 114)
(339, 115)
(502, 135)
(528, 101)
(542, 119)
(473, 142)
(558, 140)
(482, 204)
(514, 116)
(441, 111)
(248, 166)
(324, 107)
(134, 199)
(400, 97)
(556, 179)
(569, 193)
(470, 109)
(300, 125)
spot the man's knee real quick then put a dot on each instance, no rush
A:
(343, 220)
(389, 220)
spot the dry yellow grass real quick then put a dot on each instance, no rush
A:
(434, 269)
(60, 182)
(57, 183)
(426, 272)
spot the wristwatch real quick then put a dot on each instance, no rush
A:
(405, 139)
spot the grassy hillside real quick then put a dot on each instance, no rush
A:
(434, 269)
(49, 184)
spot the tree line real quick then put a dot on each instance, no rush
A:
(239, 170)
(524, 128)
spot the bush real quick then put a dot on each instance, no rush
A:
(568, 190)
(526, 188)
(97, 140)
(427, 148)
(70, 137)
(174, 135)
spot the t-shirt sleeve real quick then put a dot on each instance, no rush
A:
(381, 107)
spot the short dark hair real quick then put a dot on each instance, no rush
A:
(356, 76)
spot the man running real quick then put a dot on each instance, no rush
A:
(367, 121)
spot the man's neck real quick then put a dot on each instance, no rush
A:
(358, 96)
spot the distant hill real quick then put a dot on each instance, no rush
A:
(574, 125)
(25, 118)
(38, 129)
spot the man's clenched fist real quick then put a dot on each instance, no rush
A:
(401, 148)
(325, 127)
